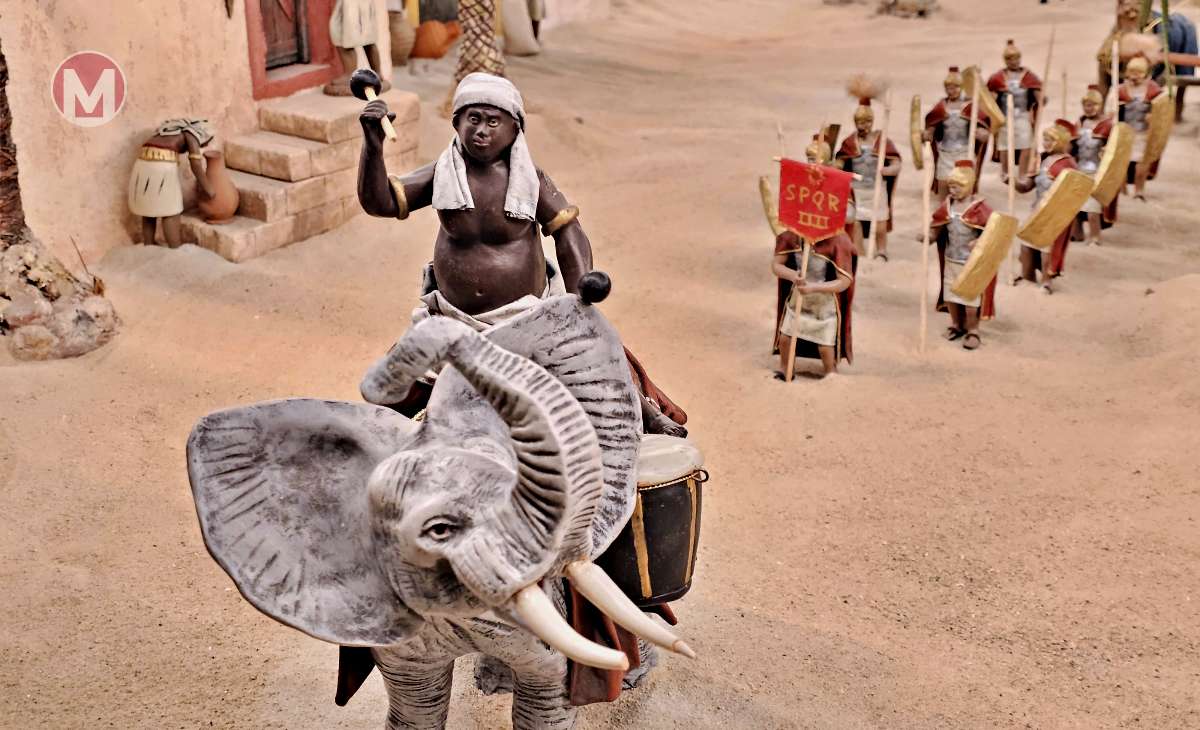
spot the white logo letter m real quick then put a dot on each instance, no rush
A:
(104, 91)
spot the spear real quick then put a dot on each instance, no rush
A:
(878, 192)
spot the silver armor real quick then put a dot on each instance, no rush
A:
(960, 237)
(955, 130)
(1089, 149)
(1137, 113)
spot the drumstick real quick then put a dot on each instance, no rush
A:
(925, 249)
(877, 193)
(805, 247)
(1012, 194)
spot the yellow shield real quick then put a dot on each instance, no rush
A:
(987, 102)
(1110, 176)
(990, 251)
(916, 127)
(1162, 121)
(1062, 202)
(769, 205)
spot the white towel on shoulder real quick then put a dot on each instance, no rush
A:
(450, 188)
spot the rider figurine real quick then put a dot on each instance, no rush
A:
(488, 264)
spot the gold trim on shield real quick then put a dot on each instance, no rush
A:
(687, 571)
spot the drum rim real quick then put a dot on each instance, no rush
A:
(700, 476)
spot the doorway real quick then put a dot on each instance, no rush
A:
(286, 30)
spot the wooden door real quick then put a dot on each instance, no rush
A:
(284, 27)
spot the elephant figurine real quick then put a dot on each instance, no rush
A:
(431, 539)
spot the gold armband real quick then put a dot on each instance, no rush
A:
(195, 156)
(401, 199)
(561, 220)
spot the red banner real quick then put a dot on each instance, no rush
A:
(813, 198)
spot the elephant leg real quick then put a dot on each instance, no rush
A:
(540, 702)
(418, 694)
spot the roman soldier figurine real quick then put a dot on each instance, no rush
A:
(814, 307)
(956, 226)
(1025, 89)
(1094, 129)
(1133, 98)
(859, 154)
(1056, 141)
(819, 152)
(948, 127)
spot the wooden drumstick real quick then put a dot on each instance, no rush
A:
(365, 84)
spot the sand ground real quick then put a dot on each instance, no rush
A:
(1004, 538)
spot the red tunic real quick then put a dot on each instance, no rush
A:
(838, 251)
(940, 113)
(976, 216)
(851, 149)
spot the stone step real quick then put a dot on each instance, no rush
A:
(284, 157)
(267, 199)
(241, 238)
(331, 119)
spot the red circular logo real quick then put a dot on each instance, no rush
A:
(88, 89)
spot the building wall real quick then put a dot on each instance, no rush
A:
(179, 58)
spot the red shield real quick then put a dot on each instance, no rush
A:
(813, 199)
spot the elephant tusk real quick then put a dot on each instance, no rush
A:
(534, 610)
(595, 585)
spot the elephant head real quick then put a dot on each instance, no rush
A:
(351, 523)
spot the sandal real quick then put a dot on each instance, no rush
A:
(780, 376)
(882, 255)
(971, 337)
(953, 333)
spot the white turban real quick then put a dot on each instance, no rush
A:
(450, 189)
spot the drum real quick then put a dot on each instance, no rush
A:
(653, 556)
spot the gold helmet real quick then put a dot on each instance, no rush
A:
(954, 76)
(818, 151)
(1060, 133)
(1011, 51)
(864, 111)
(1093, 95)
(1140, 64)
(963, 174)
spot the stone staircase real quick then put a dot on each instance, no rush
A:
(298, 174)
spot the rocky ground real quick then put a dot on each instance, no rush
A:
(1003, 538)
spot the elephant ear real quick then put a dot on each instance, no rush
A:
(576, 344)
(281, 493)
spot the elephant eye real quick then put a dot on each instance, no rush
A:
(440, 529)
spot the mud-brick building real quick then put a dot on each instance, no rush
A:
(254, 68)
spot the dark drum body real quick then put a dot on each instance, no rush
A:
(653, 557)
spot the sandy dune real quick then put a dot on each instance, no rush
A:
(1004, 538)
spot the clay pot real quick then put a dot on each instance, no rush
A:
(224, 202)
(433, 40)
(403, 37)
